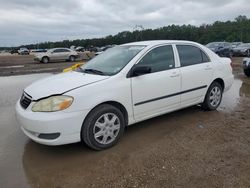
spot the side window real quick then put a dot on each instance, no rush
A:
(205, 58)
(56, 51)
(191, 55)
(64, 50)
(159, 59)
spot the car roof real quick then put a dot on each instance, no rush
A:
(159, 42)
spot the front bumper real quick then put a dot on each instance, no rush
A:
(65, 125)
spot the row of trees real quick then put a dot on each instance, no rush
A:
(236, 30)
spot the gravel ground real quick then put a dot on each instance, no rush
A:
(25, 64)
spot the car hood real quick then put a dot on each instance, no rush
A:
(61, 83)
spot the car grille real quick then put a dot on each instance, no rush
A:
(25, 100)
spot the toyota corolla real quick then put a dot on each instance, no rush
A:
(122, 86)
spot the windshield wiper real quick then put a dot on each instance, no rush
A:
(94, 71)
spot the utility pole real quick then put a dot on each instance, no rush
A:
(138, 28)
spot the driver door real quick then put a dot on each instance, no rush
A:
(157, 92)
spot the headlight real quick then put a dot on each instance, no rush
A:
(52, 104)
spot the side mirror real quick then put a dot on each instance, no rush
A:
(140, 70)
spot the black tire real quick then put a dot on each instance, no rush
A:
(248, 53)
(207, 103)
(247, 72)
(72, 58)
(88, 127)
(231, 54)
(45, 60)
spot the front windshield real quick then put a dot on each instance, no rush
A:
(112, 60)
(214, 45)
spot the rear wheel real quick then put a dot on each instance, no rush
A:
(103, 127)
(45, 60)
(248, 53)
(230, 54)
(213, 97)
(247, 72)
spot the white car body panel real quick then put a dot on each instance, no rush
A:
(90, 91)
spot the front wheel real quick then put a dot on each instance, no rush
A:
(213, 97)
(103, 127)
(45, 60)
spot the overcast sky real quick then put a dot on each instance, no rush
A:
(32, 21)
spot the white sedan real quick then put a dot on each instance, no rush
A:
(57, 54)
(122, 86)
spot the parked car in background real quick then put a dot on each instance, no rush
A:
(122, 86)
(39, 50)
(235, 44)
(14, 51)
(246, 66)
(94, 49)
(4, 51)
(98, 53)
(57, 54)
(242, 50)
(104, 48)
(23, 51)
(223, 49)
(80, 49)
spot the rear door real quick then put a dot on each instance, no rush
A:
(197, 73)
(65, 54)
(156, 92)
(56, 54)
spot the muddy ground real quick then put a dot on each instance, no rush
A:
(188, 148)
(25, 64)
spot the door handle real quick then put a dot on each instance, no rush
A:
(175, 74)
(208, 68)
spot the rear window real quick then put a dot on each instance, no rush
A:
(191, 55)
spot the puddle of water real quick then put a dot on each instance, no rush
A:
(12, 140)
(11, 87)
(15, 66)
(231, 98)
